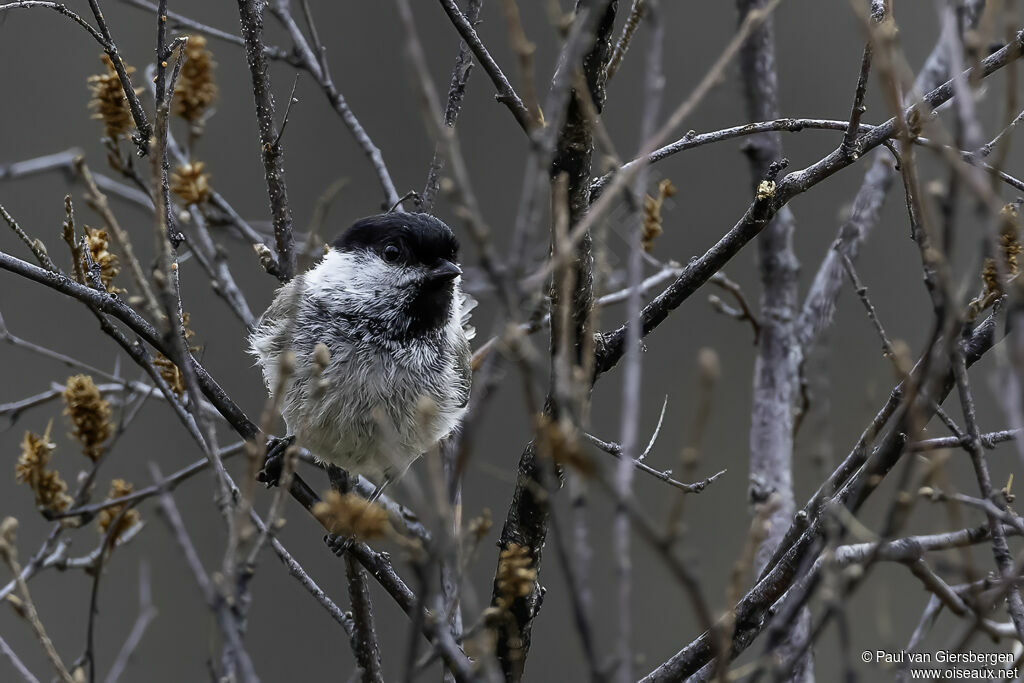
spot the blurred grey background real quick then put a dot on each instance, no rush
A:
(44, 63)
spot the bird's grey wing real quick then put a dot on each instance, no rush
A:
(463, 354)
(273, 333)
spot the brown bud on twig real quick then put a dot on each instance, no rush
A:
(351, 515)
(560, 443)
(190, 183)
(196, 89)
(166, 367)
(49, 489)
(108, 101)
(89, 413)
(118, 489)
(98, 243)
(516, 574)
(652, 213)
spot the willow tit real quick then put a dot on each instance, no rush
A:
(386, 304)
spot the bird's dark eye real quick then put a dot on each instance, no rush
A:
(391, 253)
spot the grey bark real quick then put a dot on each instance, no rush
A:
(777, 367)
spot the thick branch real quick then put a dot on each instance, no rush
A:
(777, 366)
(526, 523)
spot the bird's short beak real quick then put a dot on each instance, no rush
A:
(445, 270)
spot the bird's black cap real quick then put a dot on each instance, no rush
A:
(422, 238)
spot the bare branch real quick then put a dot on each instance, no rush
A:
(611, 344)
(251, 19)
(506, 94)
(147, 612)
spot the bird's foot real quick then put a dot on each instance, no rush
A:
(273, 465)
(341, 481)
(338, 543)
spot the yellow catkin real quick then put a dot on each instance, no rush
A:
(652, 213)
(479, 526)
(171, 374)
(563, 447)
(352, 515)
(118, 489)
(166, 367)
(99, 251)
(993, 274)
(108, 101)
(196, 89)
(190, 183)
(89, 413)
(49, 489)
(516, 574)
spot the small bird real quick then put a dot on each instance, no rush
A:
(380, 340)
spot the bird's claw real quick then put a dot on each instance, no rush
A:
(273, 465)
(337, 543)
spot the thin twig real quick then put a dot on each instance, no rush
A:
(456, 93)
(1000, 548)
(147, 612)
(665, 476)
(27, 608)
(273, 52)
(143, 129)
(251, 19)
(698, 271)
(96, 200)
(850, 137)
(316, 65)
(989, 440)
(862, 293)
(506, 94)
(16, 663)
(636, 13)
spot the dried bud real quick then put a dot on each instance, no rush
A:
(89, 413)
(265, 255)
(652, 213)
(902, 357)
(321, 356)
(915, 122)
(195, 90)
(479, 526)
(516, 574)
(709, 366)
(9, 530)
(171, 374)
(119, 488)
(166, 367)
(560, 443)
(190, 183)
(352, 515)
(99, 251)
(48, 487)
(853, 572)
(108, 100)
(8, 536)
